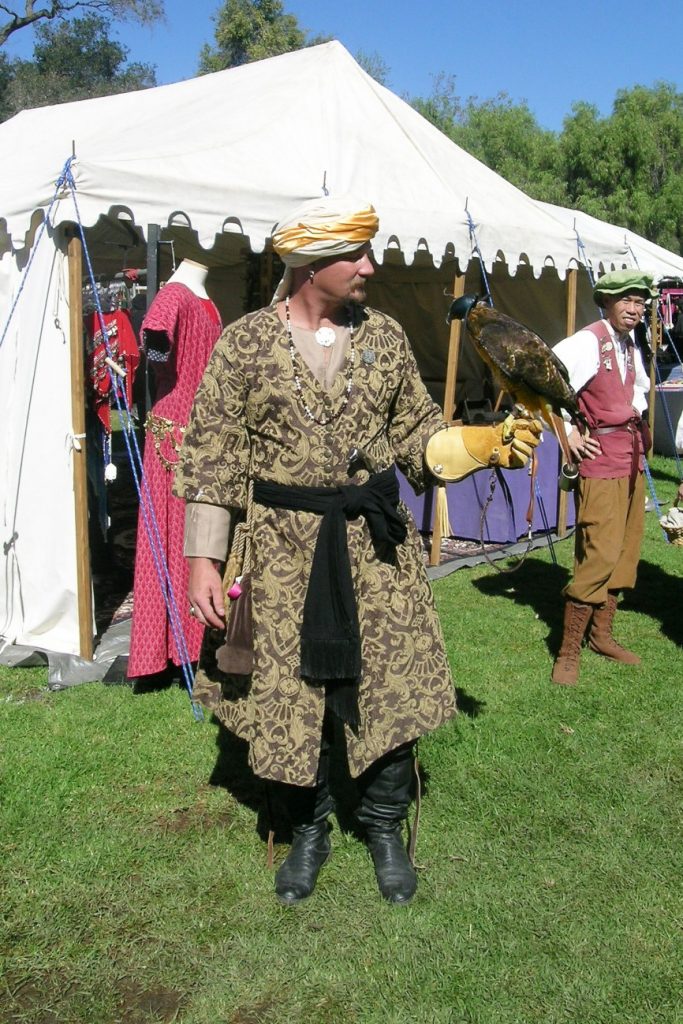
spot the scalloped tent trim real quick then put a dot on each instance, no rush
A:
(211, 150)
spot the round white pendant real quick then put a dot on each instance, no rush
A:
(325, 336)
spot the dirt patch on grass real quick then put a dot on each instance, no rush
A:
(31, 999)
(139, 1004)
(49, 998)
(30, 696)
(258, 1013)
(196, 816)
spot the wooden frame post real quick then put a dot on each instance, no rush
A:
(83, 573)
(448, 409)
(562, 496)
(453, 354)
(266, 275)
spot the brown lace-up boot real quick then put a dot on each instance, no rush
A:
(576, 618)
(600, 637)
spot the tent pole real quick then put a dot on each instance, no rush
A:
(153, 238)
(453, 353)
(83, 576)
(448, 409)
(266, 282)
(655, 339)
(572, 281)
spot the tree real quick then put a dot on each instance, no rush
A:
(628, 168)
(507, 137)
(6, 75)
(502, 134)
(72, 60)
(23, 15)
(443, 108)
(374, 64)
(248, 30)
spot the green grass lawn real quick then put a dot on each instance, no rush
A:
(134, 880)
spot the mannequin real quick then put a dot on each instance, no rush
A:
(178, 333)
(193, 275)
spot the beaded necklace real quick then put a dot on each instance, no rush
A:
(321, 421)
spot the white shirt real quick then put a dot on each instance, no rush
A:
(580, 353)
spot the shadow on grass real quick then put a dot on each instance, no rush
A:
(667, 476)
(535, 585)
(467, 704)
(232, 773)
(658, 594)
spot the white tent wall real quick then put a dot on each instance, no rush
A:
(38, 598)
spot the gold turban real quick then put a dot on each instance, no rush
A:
(328, 226)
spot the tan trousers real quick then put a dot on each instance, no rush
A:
(609, 531)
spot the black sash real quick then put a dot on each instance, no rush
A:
(330, 635)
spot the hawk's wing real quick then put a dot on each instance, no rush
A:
(521, 357)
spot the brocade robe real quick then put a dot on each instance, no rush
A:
(248, 420)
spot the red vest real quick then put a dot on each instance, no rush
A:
(606, 401)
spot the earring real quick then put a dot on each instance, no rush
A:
(311, 274)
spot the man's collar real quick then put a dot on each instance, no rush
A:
(625, 339)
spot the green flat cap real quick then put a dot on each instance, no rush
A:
(619, 281)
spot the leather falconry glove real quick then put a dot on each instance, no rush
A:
(455, 452)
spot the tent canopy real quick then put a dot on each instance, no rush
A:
(249, 143)
(605, 244)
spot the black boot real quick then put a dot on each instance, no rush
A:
(385, 797)
(308, 810)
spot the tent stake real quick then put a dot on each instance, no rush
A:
(83, 576)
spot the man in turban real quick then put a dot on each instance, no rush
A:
(606, 370)
(305, 409)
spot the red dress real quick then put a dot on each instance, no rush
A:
(124, 351)
(191, 327)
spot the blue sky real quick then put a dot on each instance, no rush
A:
(550, 54)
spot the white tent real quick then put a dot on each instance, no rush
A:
(606, 243)
(228, 154)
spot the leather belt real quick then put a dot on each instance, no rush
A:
(610, 430)
(634, 430)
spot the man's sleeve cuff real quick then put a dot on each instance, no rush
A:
(207, 530)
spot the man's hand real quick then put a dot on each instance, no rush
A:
(582, 446)
(205, 592)
(519, 437)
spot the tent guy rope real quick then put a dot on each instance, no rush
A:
(66, 181)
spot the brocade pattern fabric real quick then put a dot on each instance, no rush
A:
(249, 420)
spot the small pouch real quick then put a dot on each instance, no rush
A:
(236, 655)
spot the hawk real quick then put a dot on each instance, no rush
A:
(522, 364)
